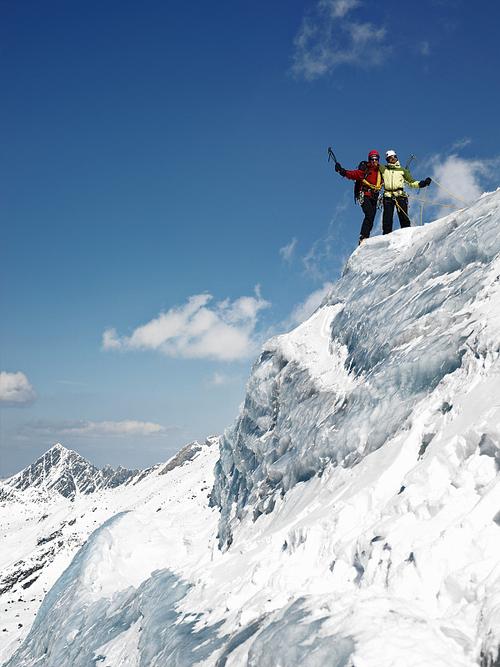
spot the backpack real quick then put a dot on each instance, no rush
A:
(363, 165)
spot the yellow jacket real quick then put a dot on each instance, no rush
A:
(394, 177)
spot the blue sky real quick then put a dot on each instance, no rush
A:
(166, 203)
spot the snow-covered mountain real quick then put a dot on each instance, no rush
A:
(49, 510)
(351, 515)
(68, 473)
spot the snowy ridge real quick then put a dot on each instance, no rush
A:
(354, 513)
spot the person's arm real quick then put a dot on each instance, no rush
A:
(413, 183)
(409, 179)
(351, 174)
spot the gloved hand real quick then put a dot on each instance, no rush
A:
(425, 183)
(338, 167)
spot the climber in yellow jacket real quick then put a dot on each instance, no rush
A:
(394, 177)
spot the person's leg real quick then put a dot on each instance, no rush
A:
(388, 215)
(370, 210)
(404, 219)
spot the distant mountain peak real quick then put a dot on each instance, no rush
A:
(68, 473)
(58, 447)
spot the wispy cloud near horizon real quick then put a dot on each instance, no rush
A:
(327, 39)
(126, 427)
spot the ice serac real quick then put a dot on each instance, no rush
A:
(405, 312)
(68, 473)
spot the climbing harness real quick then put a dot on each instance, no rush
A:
(374, 186)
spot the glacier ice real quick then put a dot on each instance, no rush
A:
(400, 320)
(290, 637)
(77, 626)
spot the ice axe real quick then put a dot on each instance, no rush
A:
(409, 161)
(331, 155)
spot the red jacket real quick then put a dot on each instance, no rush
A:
(372, 176)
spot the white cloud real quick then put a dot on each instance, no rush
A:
(288, 250)
(110, 340)
(458, 181)
(220, 379)
(461, 143)
(222, 331)
(71, 383)
(363, 34)
(15, 389)
(126, 427)
(327, 254)
(305, 309)
(338, 8)
(327, 39)
(424, 48)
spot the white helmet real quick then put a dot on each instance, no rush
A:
(390, 153)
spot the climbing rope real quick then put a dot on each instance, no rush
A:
(449, 193)
(430, 202)
(405, 213)
(423, 203)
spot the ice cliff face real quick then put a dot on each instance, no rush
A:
(408, 310)
(354, 512)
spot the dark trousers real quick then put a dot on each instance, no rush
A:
(369, 207)
(402, 208)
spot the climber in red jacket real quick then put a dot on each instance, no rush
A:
(366, 191)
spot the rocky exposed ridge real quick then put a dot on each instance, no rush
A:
(65, 471)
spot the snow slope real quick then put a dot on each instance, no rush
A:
(354, 519)
(43, 527)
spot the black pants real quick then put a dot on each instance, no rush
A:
(369, 207)
(402, 208)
